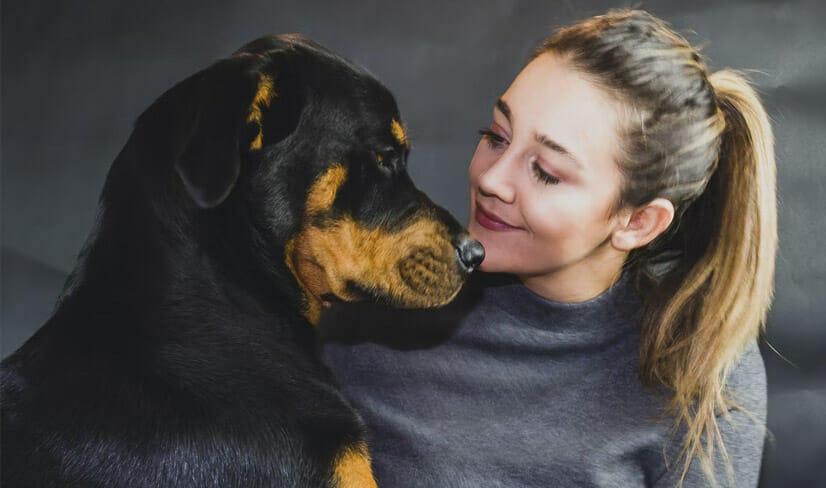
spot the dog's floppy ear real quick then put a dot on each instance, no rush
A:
(202, 123)
(222, 97)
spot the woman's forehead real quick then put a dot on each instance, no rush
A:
(551, 98)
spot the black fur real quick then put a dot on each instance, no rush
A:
(177, 354)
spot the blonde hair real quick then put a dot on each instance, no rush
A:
(705, 143)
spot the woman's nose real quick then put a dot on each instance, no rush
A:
(497, 181)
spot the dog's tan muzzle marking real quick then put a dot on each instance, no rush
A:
(412, 268)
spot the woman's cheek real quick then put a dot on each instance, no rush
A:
(503, 259)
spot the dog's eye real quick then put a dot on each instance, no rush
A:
(384, 157)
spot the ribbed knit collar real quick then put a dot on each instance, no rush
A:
(614, 311)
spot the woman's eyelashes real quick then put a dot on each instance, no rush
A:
(494, 140)
(542, 175)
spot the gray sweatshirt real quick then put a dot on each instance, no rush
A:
(505, 388)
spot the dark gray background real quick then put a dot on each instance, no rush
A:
(76, 74)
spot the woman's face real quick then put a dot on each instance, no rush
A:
(544, 178)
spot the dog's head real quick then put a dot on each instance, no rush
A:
(308, 152)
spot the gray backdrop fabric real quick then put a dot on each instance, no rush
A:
(75, 75)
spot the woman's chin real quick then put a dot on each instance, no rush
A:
(498, 255)
(493, 265)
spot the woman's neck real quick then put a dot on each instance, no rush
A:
(579, 281)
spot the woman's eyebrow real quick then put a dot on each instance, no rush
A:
(558, 148)
(541, 138)
(504, 108)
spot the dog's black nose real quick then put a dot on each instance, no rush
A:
(471, 253)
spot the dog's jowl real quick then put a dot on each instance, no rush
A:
(181, 352)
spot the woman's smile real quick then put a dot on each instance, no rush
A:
(490, 220)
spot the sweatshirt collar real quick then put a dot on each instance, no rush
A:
(615, 310)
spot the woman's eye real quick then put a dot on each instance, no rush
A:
(543, 176)
(494, 140)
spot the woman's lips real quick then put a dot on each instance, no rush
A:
(491, 221)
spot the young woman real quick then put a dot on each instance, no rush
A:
(632, 195)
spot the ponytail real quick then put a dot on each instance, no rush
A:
(703, 312)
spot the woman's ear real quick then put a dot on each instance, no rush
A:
(643, 224)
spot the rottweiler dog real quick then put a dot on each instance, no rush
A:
(181, 351)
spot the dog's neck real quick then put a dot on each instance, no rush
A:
(172, 270)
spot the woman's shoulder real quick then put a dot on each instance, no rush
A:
(746, 381)
(742, 429)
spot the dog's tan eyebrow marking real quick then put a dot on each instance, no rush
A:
(399, 132)
(263, 97)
